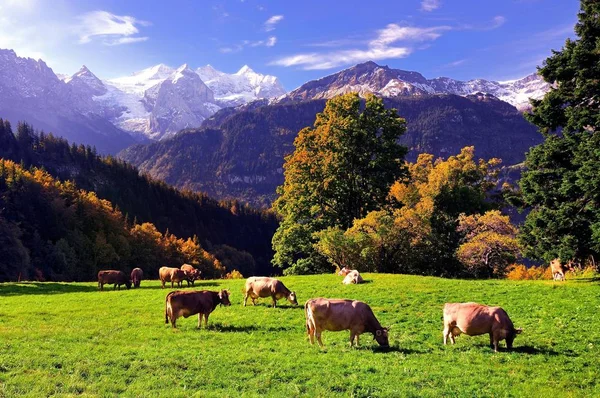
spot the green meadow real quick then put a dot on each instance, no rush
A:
(68, 339)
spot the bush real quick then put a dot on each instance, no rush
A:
(517, 272)
(235, 274)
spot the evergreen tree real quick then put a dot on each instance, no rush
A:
(341, 169)
(562, 183)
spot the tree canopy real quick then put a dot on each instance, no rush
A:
(561, 184)
(340, 170)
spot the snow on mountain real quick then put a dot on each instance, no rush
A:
(371, 78)
(241, 87)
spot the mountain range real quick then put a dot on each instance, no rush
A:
(159, 101)
(239, 153)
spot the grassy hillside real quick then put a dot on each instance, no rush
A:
(70, 339)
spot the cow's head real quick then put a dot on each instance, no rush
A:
(292, 298)
(511, 337)
(224, 297)
(344, 271)
(381, 336)
(128, 284)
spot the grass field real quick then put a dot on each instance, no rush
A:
(70, 339)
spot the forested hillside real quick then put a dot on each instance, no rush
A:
(238, 234)
(240, 154)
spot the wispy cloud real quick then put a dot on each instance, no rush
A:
(497, 21)
(270, 23)
(269, 42)
(454, 64)
(110, 28)
(378, 48)
(430, 5)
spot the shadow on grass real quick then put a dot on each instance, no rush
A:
(587, 280)
(529, 350)
(247, 328)
(32, 288)
(197, 286)
(270, 305)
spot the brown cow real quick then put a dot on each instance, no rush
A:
(192, 273)
(184, 304)
(350, 276)
(475, 319)
(559, 270)
(262, 286)
(336, 315)
(110, 276)
(167, 274)
(136, 276)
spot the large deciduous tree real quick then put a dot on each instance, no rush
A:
(341, 169)
(562, 182)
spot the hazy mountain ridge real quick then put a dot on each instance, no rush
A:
(239, 153)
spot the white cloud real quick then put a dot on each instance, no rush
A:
(112, 29)
(497, 21)
(381, 47)
(430, 5)
(271, 22)
(270, 42)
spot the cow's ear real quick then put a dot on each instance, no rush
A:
(378, 333)
(518, 331)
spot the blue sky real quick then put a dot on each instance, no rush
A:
(294, 40)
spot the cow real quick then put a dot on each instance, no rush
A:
(167, 274)
(350, 276)
(262, 286)
(336, 315)
(136, 276)
(184, 304)
(475, 319)
(559, 270)
(191, 272)
(110, 276)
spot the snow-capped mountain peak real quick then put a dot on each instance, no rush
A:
(245, 70)
(381, 80)
(208, 73)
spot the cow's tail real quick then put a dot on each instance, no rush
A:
(309, 317)
(168, 307)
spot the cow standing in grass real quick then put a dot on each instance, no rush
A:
(559, 270)
(109, 277)
(184, 304)
(336, 315)
(350, 276)
(173, 275)
(136, 276)
(262, 286)
(192, 273)
(475, 319)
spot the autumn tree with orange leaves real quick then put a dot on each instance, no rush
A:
(341, 169)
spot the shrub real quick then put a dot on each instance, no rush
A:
(518, 272)
(235, 274)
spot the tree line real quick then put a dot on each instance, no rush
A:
(238, 234)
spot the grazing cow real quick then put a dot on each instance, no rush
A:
(350, 276)
(110, 276)
(559, 270)
(262, 286)
(335, 315)
(136, 276)
(167, 274)
(185, 304)
(192, 273)
(475, 319)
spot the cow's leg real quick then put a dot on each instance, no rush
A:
(311, 335)
(253, 301)
(274, 301)
(162, 283)
(357, 339)
(245, 298)
(352, 336)
(494, 341)
(452, 335)
(172, 286)
(318, 334)
(199, 320)
(206, 320)
(173, 320)
(445, 333)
